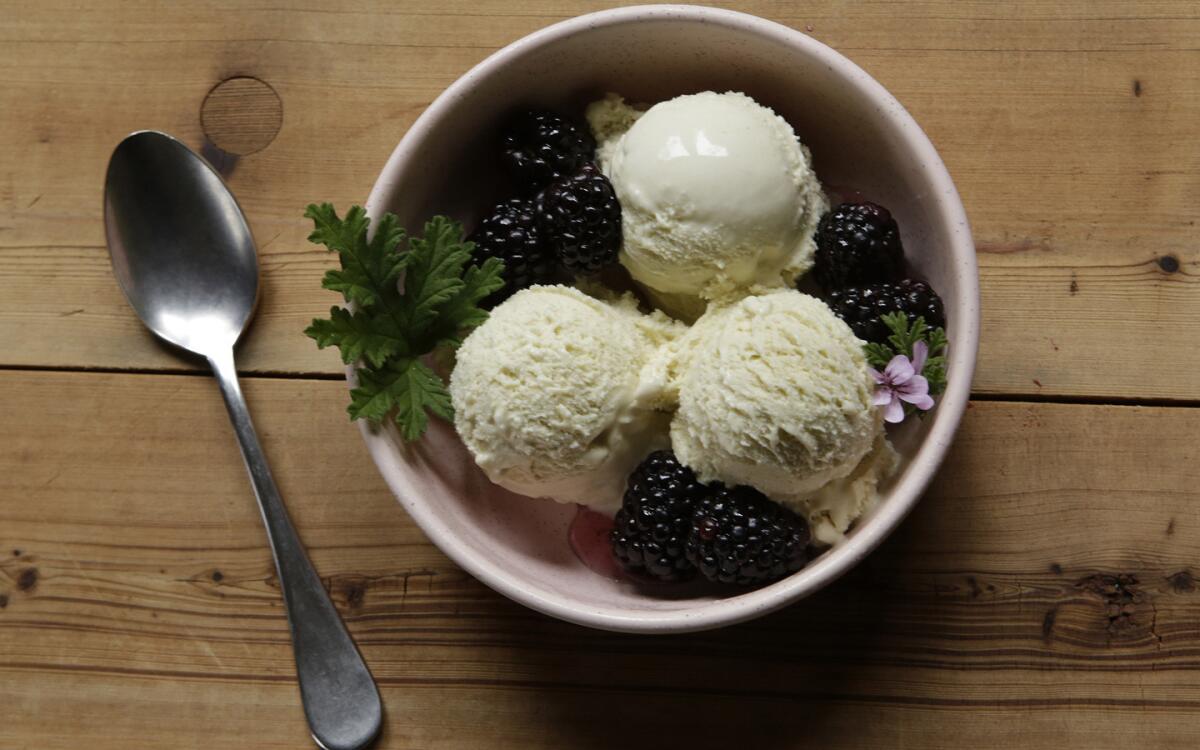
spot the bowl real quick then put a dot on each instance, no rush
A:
(860, 136)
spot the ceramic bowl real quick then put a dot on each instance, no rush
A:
(860, 137)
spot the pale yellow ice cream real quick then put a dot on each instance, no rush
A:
(717, 195)
(833, 508)
(546, 394)
(773, 392)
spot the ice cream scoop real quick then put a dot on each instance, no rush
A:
(773, 392)
(717, 194)
(546, 394)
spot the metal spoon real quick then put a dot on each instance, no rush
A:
(184, 256)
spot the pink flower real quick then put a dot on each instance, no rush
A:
(901, 381)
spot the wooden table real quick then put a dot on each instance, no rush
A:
(1042, 594)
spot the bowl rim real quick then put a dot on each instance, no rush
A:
(924, 463)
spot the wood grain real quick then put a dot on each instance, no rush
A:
(1068, 126)
(1041, 595)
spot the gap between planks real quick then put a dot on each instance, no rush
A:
(1014, 398)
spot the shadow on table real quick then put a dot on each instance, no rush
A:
(771, 683)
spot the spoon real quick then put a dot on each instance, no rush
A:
(184, 257)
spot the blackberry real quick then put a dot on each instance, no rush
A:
(857, 244)
(540, 146)
(580, 218)
(862, 307)
(740, 536)
(510, 233)
(651, 530)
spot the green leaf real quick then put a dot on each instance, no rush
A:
(359, 335)
(935, 372)
(462, 312)
(391, 328)
(353, 284)
(384, 248)
(937, 340)
(903, 335)
(878, 355)
(434, 273)
(369, 268)
(339, 235)
(425, 392)
(407, 386)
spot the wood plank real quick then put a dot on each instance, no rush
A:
(1041, 595)
(1068, 126)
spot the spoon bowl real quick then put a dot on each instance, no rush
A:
(191, 275)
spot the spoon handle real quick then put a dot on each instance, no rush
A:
(340, 698)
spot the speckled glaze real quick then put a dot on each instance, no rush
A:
(860, 136)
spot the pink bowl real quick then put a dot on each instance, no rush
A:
(860, 136)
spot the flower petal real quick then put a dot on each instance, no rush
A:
(894, 412)
(916, 392)
(925, 403)
(883, 396)
(920, 353)
(916, 386)
(899, 370)
(877, 375)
